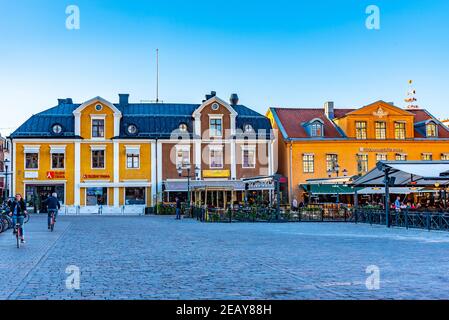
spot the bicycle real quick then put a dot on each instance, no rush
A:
(18, 231)
(52, 221)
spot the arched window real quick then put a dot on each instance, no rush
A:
(431, 130)
(316, 129)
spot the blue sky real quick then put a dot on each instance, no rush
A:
(277, 53)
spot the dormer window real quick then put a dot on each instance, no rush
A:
(431, 130)
(316, 129)
(132, 129)
(248, 128)
(183, 127)
(56, 129)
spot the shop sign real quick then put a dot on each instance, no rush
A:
(31, 174)
(216, 173)
(382, 150)
(96, 176)
(55, 175)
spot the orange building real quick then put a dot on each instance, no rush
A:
(328, 142)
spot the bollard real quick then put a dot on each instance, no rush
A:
(406, 219)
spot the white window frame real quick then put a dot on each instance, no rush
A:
(98, 117)
(124, 196)
(382, 154)
(182, 148)
(97, 148)
(359, 155)
(57, 150)
(313, 162)
(216, 148)
(30, 150)
(432, 123)
(216, 117)
(249, 148)
(426, 154)
(401, 155)
(134, 151)
(313, 129)
(405, 130)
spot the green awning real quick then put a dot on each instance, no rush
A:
(324, 189)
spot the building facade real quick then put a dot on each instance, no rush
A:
(5, 168)
(132, 155)
(329, 143)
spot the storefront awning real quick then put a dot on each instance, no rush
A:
(418, 173)
(394, 190)
(329, 189)
(181, 186)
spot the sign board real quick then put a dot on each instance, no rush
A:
(31, 174)
(216, 173)
(55, 175)
(96, 176)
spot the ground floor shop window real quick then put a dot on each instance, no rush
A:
(35, 195)
(96, 196)
(135, 196)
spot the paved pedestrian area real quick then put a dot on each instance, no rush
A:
(160, 258)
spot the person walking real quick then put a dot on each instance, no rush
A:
(53, 205)
(397, 204)
(295, 205)
(178, 209)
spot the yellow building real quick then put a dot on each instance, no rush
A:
(89, 154)
(328, 142)
(127, 156)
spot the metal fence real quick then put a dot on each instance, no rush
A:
(430, 220)
(266, 214)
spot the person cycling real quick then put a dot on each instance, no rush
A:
(53, 206)
(18, 211)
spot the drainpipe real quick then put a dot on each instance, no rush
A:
(290, 180)
(157, 182)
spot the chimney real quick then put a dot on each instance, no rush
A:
(65, 101)
(329, 109)
(234, 99)
(211, 95)
(123, 99)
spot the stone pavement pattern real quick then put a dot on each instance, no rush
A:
(160, 258)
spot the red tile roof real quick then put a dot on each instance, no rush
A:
(293, 119)
(423, 115)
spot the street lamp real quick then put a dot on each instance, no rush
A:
(187, 167)
(6, 187)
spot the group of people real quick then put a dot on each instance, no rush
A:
(18, 211)
(297, 205)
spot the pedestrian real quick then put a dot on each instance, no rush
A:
(178, 208)
(397, 204)
(295, 205)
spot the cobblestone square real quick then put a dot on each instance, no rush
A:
(160, 258)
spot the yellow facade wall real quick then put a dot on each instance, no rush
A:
(45, 168)
(86, 117)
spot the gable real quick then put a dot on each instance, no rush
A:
(93, 102)
(380, 109)
(210, 102)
